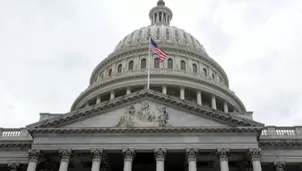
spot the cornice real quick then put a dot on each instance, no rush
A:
(77, 131)
(158, 73)
(15, 144)
(280, 142)
(203, 111)
(171, 50)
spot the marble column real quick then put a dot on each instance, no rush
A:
(182, 93)
(199, 98)
(13, 166)
(160, 156)
(128, 90)
(112, 95)
(213, 99)
(129, 155)
(33, 158)
(223, 155)
(65, 156)
(98, 100)
(225, 107)
(97, 155)
(192, 157)
(255, 155)
(279, 166)
(164, 89)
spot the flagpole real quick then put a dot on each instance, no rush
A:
(149, 52)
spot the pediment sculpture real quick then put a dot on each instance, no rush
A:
(144, 115)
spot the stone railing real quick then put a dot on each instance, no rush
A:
(269, 131)
(13, 132)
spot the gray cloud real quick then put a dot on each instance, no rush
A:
(49, 49)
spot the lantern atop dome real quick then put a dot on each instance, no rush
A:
(160, 14)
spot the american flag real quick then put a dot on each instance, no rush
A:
(162, 55)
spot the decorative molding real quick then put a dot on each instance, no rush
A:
(97, 154)
(16, 144)
(65, 155)
(279, 166)
(13, 166)
(223, 154)
(255, 154)
(191, 154)
(78, 131)
(33, 155)
(148, 115)
(160, 154)
(280, 142)
(129, 154)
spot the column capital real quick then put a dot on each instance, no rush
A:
(255, 154)
(33, 155)
(223, 153)
(160, 154)
(65, 155)
(191, 154)
(13, 166)
(129, 154)
(279, 165)
(97, 154)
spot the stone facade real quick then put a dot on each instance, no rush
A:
(188, 120)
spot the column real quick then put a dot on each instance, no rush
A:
(279, 166)
(191, 156)
(112, 95)
(164, 89)
(255, 155)
(162, 17)
(128, 90)
(98, 100)
(128, 158)
(33, 158)
(225, 107)
(199, 98)
(160, 156)
(65, 156)
(96, 159)
(157, 18)
(223, 156)
(13, 166)
(213, 102)
(182, 93)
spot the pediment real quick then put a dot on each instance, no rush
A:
(145, 110)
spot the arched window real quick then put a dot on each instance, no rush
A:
(119, 68)
(130, 65)
(194, 68)
(156, 62)
(205, 72)
(182, 65)
(143, 63)
(109, 72)
(170, 63)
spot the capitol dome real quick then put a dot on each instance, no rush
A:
(188, 73)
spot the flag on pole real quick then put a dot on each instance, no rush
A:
(162, 55)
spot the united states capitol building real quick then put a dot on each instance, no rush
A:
(189, 119)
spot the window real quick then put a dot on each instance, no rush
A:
(182, 65)
(205, 72)
(156, 63)
(170, 63)
(109, 72)
(119, 68)
(143, 63)
(194, 68)
(130, 65)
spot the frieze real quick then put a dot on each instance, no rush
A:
(147, 115)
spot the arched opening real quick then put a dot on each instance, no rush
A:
(194, 66)
(119, 68)
(143, 63)
(170, 63)
(130, 65)
(156, 62)
(182, 65)
(109, 72)
(205, 72)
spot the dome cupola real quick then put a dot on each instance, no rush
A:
(160, 14)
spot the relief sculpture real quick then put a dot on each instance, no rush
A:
(147, 115)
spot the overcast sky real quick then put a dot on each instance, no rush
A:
(49, 48)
